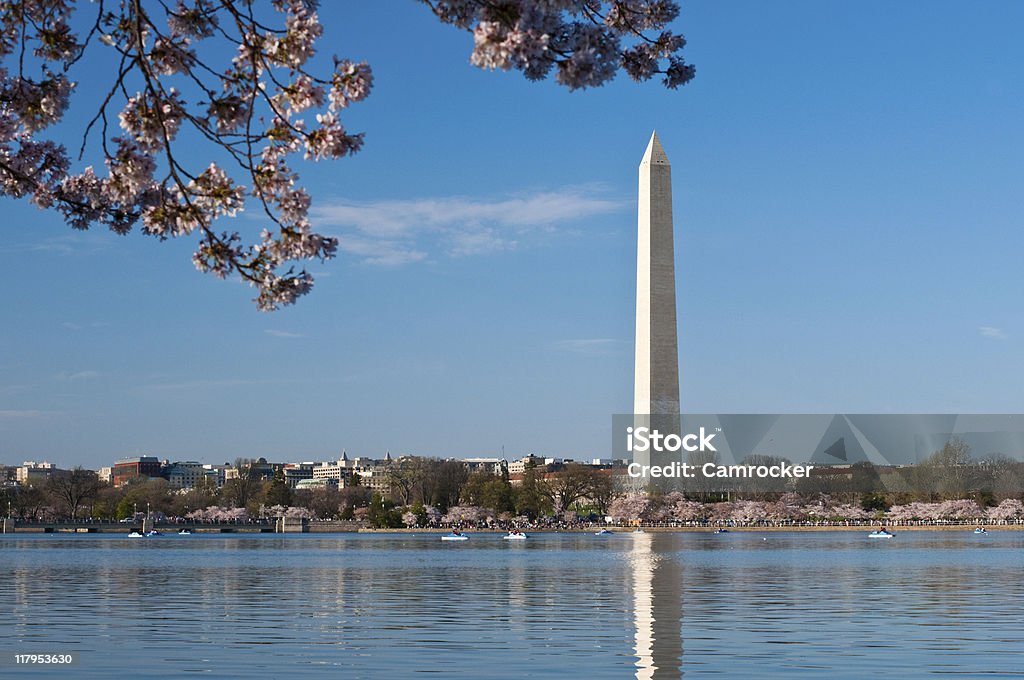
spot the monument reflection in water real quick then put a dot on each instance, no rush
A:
(657, 581)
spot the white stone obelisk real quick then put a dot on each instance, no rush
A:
(656, 379)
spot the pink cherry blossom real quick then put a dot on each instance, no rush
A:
(173, 82)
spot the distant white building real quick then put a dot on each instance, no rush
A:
(493, 466)
(216, 474)
(372, 472)
(296, 473)
(518, 467)
(332, 471)
(31, 472)
(185, 474)
(306, 484)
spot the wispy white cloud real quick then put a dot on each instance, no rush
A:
(398, 232)
(992, 333)
(589, 346)
(68, 244)
(79, 375)
(19, 414)
(73, 326)
(380, 251)
(283, 334)
(202, 384)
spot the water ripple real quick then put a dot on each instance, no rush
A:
(799, 605)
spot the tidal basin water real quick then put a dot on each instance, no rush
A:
(738, 605)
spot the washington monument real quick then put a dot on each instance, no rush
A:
(656, 380)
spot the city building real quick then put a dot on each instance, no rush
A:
(312, 484)
(493, 466)
(216, 475)
(294, 473)
(8, 475)
(518, 467)
(372, 473)
(185, 474)
(260, 469)
(31, 473)
(334, 472)
(132, 468)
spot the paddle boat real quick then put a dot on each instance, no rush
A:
(184, 532)
(135, 534)
(455, 536)
(603, 532)
(721, 531)
(980, 530)
(153, 533)
(515, 535)
(881, 533)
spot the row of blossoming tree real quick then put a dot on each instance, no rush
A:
(674, 508)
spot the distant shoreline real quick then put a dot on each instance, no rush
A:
(327, 527)
(709, 529)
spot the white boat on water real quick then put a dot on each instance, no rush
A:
(603, 532)
(135, 534)
(455, 536)
(515, 536)
(880, 534)
(184, 532)
(980, 530)
(153, 533)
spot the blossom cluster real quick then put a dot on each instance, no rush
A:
(167, 87)
(461, 514)
(583, 42)
(790, 507)
(216, 513)
(290, 512)
(411, 519)
(1009, 509)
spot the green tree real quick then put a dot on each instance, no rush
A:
(531, 499)
(421, 514)
(154, 494)
(602, 491)
(125, 508)
(382, 514)
(873, 502)
(277, 491)
(488, 491)
(445, 484)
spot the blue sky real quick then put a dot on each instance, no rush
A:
(847, 197)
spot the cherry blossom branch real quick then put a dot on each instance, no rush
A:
(249, 110)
